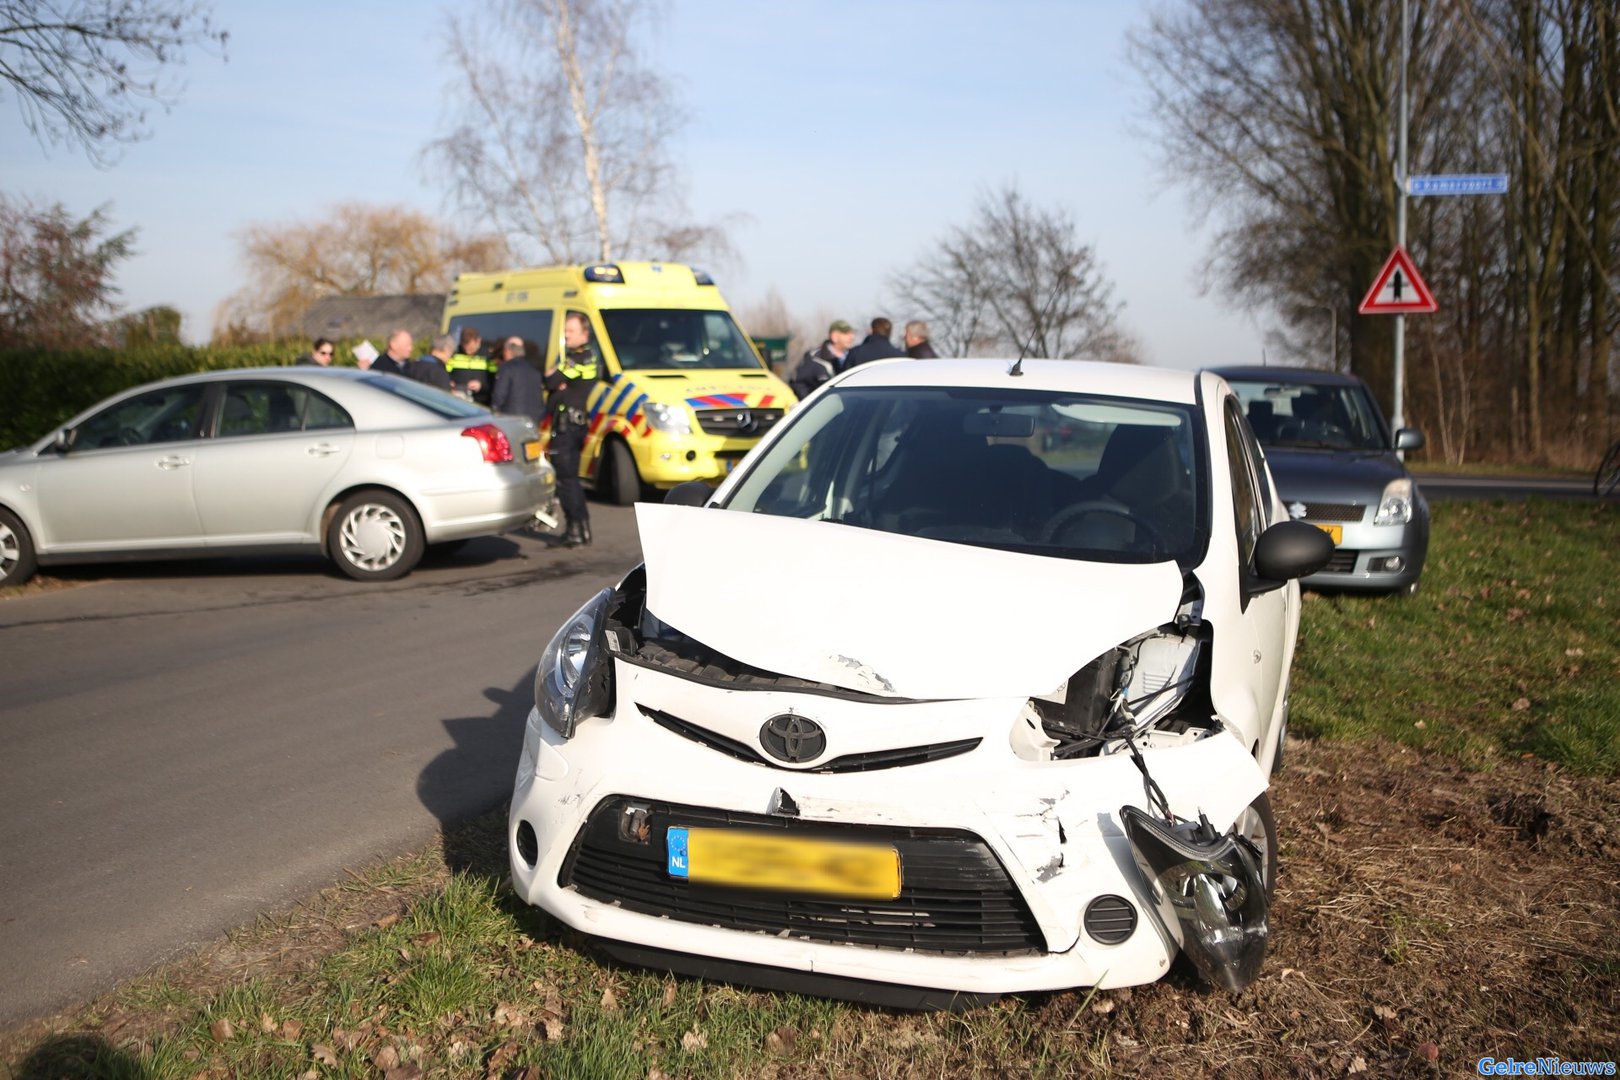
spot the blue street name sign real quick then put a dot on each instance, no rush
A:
(1461, 184)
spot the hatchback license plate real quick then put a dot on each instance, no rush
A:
(1335, 532)
(784, 864)
(531, 450)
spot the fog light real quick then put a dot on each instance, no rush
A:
(1393, 564)
(528, 844)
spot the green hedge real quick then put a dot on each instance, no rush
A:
(39, 390)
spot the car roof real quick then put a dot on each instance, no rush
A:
(1298, 375)
(1081, 376)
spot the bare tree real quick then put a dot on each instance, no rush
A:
(56, 272)
(355, 250)
(560, 135)
(84, 71)
(1018, 281)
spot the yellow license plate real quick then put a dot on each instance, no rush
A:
(1336, 532)
(784, 864)
(531, 450)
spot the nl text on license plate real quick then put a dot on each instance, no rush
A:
(531, 450)
(784, 863)
(1335, 532)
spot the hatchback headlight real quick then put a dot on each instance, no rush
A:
(574, 680)
(1395, 508)
(671, 418)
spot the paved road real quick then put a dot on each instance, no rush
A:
(1445, 486)
(188, 745)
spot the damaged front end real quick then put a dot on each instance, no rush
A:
(1210, 891)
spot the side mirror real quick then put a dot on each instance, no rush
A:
(63, 440)
(689, 493)
(1286, 551)
(1409, 438)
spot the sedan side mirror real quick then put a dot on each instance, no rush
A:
(63, 441)
(688, 493)
(1409, 438)
(1287, 551)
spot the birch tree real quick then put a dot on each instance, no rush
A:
(560, 134)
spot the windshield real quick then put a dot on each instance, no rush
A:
(1046, 473)
(1311, 416)
(673, 339)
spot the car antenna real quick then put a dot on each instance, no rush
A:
(1017, 369)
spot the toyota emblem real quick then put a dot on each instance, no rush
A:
(793, 739)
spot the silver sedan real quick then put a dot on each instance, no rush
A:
(368, 469)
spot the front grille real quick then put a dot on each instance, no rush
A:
(955, 896)
(1343, 562)
(742, 423)
(895, 758)
(1319, 511)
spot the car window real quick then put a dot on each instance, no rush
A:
(1067, 475)
(431, 398)
(674, 339)
(530, 326)
(1246, 504)
(271, 408)
(166, 415)
(1312, 415)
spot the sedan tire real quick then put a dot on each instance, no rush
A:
(374, 536)
(17, 561)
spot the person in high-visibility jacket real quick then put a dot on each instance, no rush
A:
(569, 388)
(469, 369)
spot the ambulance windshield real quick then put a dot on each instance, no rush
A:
(677, 340)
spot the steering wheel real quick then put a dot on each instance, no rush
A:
(1070, 514)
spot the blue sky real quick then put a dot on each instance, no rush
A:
(847, 136)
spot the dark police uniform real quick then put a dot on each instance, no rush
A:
(570, 391)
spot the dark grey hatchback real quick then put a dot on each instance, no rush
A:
(1333, 458)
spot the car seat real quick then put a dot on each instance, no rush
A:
(1263, 420)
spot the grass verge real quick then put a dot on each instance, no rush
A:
(1446, 894)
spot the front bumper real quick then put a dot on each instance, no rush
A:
(1375, 558)
(1005, 856)
(674, 459)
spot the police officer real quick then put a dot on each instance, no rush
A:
(569, 386)
(469, 369)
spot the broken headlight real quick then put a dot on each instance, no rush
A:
(574, 680)
(1210, 892)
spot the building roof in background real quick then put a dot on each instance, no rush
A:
(374, 317)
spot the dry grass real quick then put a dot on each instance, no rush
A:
(1426, 916)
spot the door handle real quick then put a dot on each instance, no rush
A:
(173, 461)
(322, 450)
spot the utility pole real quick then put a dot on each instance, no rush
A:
(1399, 419)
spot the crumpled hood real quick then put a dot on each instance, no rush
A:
(880, 613)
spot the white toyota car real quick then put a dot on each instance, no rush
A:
(1008, 726)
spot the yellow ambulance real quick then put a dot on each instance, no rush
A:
(681, 393)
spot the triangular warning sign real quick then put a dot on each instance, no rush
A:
(1399, 288)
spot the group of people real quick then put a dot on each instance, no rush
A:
(509, 378)
(840, 353)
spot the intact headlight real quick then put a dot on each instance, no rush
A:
(671, 418)
(574, 680)
(1395, 508)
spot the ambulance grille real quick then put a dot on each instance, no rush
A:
(955, 896)
(743, 423)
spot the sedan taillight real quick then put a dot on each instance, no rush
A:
(492, 441)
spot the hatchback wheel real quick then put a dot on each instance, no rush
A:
(16, 551)
(374, 536)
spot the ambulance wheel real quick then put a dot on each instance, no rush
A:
(625, 482)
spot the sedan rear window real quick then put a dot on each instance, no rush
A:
(431, 398)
